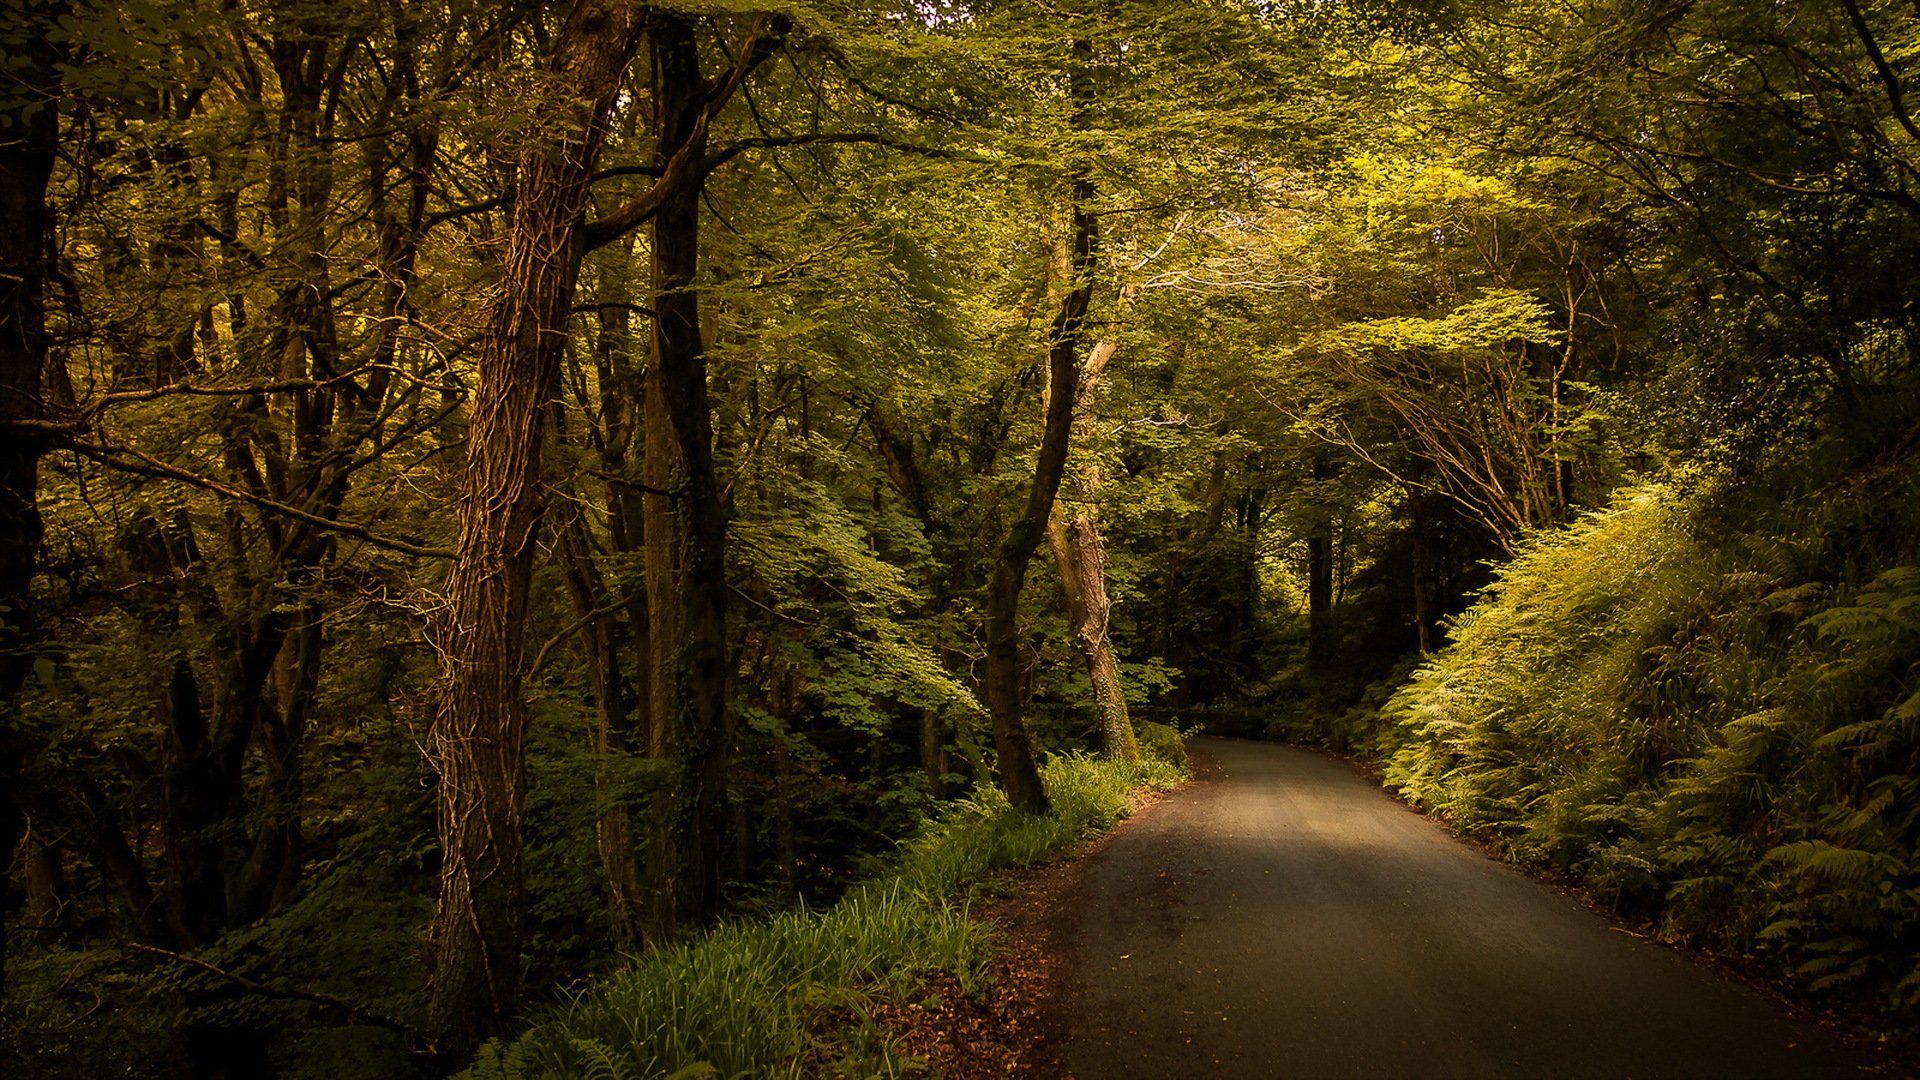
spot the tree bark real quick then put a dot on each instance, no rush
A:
(1081, 559)
(1013, 745)
(600, 643)
(686, 531)
(1074, 534)
(1320, 637)
(29, 105)
(480, 717)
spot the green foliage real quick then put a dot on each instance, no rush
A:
(784, 996)
(1713, 725)
(58, 994)
(743, 999)
(1162, 742)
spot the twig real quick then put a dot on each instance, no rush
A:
(252, 986)
(148, 465)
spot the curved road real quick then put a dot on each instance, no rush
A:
(1285, 917)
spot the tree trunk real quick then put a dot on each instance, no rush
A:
(1320, 635)
(47, 890)
(600, 647)
(1013, 746)
(686, 530)
(903, 473)
(1083, 579)
(480, 717)
(1422, 575)
(272, 871)
(1082, 560)
(29, 109)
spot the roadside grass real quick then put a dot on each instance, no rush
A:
(792, 995)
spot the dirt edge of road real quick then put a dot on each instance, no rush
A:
(1013, 1024)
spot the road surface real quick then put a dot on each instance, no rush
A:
(1284, 917)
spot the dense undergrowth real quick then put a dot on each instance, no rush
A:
(790, 995)
(1704, 704)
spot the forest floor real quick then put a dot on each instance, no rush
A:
(1284, 917)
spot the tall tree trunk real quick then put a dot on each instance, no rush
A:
(1082, 559)
(675, 64)
(272, 870)
(480, 717)
(1013, 745)
(1320, 639)
(29, 138)
(686, 530)
(1422, 575)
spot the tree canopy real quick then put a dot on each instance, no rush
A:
(490, 488)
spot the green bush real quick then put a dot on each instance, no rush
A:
(1706, 705)
(1163, 742)
(791, 995)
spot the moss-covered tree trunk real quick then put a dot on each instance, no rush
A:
(1081, 557)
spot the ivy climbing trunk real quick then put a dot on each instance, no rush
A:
(480, 717)
(1078, 552)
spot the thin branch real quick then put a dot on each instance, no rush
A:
(253, 986)
(148, 465)
(455, 213)
(720, 158)
(625, 170)
(572, 628)
(1896, 96)
(122, 397)
(635, 485)
(613, 305)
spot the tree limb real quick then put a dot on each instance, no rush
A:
(148, 465)
(685, 166)
(720, 158)
(253, 986)
(1896, 96)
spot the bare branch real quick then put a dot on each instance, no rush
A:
(253, 986)
(720, 158)
(1896, 95)
(147, 465)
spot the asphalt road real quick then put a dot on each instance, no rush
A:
(1284, 917)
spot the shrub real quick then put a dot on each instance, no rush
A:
(1707, 706)
(791, 995)
(1164, 743)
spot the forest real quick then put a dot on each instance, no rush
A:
(525, 522)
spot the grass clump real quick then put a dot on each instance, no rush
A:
(790, 996)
